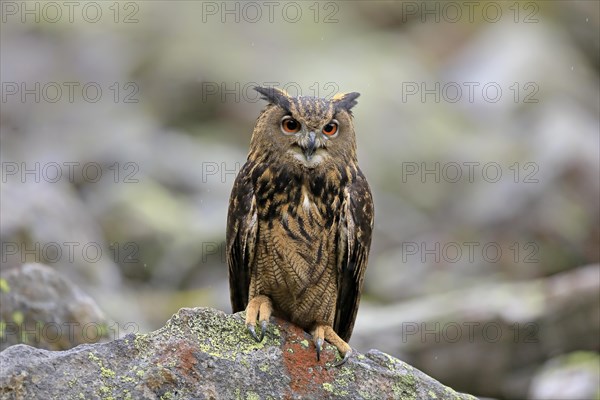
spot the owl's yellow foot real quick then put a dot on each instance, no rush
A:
(260, 307)
(325, 332)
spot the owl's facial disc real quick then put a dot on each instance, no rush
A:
(308, 144)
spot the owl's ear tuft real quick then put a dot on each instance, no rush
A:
(345, 101)
(275, 96)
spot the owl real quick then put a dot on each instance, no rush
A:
(300, 220)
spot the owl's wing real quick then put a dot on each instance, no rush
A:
(356, 226)
(241, 238)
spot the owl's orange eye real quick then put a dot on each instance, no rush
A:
(289, 125)
(330, 129)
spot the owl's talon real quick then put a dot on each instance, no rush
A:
(259, 306)
(327, 333)
(263, 330)
(319, 346)
(319, 338)
(253, 333)
(344, 359)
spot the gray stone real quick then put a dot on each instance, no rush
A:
(202, 353)
(42, 308)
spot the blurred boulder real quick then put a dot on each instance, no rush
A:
(491, 338)
(42, 308)
(572, 376)
(48, 223)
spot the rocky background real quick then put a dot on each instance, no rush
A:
(123, 126)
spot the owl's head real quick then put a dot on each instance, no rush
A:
(307, 131)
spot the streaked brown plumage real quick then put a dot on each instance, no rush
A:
(300, 219)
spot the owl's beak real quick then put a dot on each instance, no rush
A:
(311, 146)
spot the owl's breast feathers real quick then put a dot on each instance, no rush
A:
(302, 239)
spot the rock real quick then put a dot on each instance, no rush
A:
(510, 328)
(49, 223)
(571, 376)
(202, 353)
(42, 308)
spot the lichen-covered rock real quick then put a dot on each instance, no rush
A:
(202, 353)
(42, 308)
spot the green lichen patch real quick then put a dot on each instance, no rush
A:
(345, 376)
(94, 357)
(252, 396)
(578, 358)
(452, 394)
(328, 386)
(107, 372)
(405, 387)
(104, 391)
(342, 383)
(107, 376)
(263, 367)
(367, 395)
(141, 342)
(127, 379)
(18, 317)
(335, 389)
(392, 362)
(4, 286)
(220, 337)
